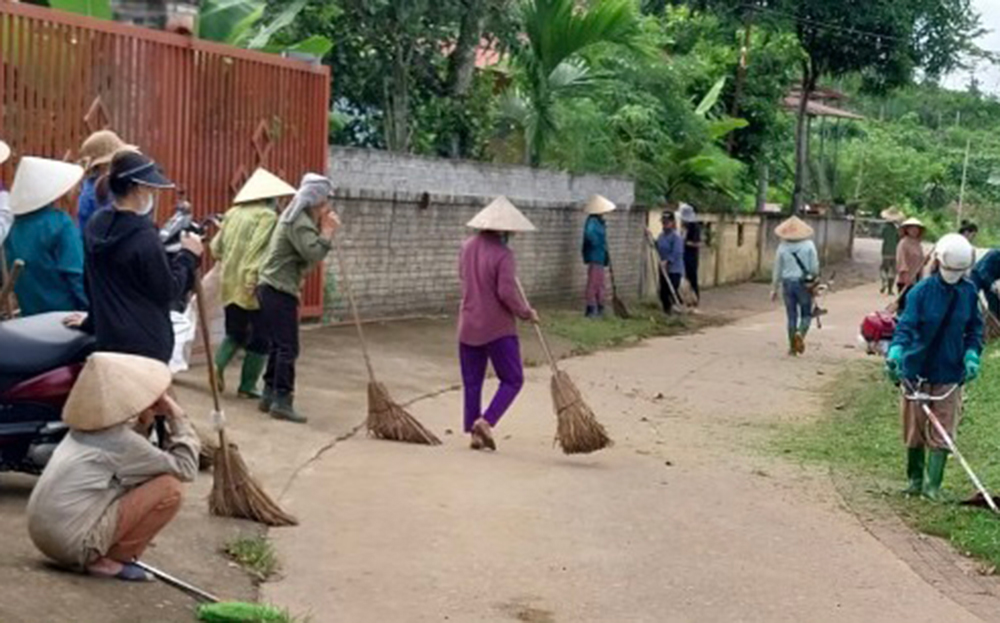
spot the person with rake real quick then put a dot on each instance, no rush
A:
(240, 247)
(107, 491)
(595, 253)
(796, 270)
(937, 345)
(301, 239)
(487, 321)
(670, 246)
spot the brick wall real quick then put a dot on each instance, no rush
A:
(402, 254)
(386, 171)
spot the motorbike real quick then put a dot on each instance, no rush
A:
(40, 360)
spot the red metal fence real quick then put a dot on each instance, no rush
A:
(209, 113)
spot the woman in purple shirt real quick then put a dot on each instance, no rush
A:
(487, 325)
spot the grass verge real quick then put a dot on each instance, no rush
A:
(588, 335)
(860, 436)
(255, 554)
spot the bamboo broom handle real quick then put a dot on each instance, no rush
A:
(199, 294)
(538, 331)
(8, 286)
(354, 308)
(6, 274)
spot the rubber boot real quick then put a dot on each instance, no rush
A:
(915, 470)
(253, 367)
(266, 400)
(600, 311)
(935, 474)
(792, 350)
(591, 311)
(225, 353)
(283, 409)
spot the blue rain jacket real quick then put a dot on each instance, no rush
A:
(595, 241)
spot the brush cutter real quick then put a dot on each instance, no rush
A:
(913, 393)
(177, 583)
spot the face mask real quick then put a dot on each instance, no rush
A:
(147, 206)
(951, 276)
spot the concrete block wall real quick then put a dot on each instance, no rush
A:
(401, 251)
(834, 239)
(356, 169)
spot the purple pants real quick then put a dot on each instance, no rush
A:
(505, 355)
(595, 284)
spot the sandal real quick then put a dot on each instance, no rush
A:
(133, 573)
(482, 430)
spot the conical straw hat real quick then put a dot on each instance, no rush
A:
(892, 214)
(4, 152)
(599, 205)
(263, 185)
(114, 388)
(40, 181)
(793, 228)
(500, 215)
(100, 147)
(912, 222)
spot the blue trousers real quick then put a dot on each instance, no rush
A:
(798, 305)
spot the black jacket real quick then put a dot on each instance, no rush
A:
(131, 284)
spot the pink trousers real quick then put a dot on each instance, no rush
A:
(595, 284)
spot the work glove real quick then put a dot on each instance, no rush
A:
(893, 363)
(972, 365)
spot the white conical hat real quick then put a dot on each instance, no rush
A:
(113, 388)
(912, 222)
(501, 215)
(4, 152)
(793, 228)
(599, 205)
(263, 185)
(40, 181)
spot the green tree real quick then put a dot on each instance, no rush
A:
(552, 63)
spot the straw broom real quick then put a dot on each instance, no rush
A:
(618, 305)
(386, 419)
(577, 428)
(235, 493)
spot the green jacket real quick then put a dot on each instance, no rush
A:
(295, 248)
(241, 246)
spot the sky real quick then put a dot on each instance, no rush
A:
(989, 76)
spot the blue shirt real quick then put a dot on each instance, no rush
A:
(785, 266)
(671, 248)
(986, 270)
(52, 251)
(88, 204)
(926, 305)
(595, 241)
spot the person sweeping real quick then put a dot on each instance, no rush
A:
(937, 344)
(487, 321)
(45, 238)
(890, 240)
(107, 491)
(301, 239)
(670, 247)
(240, 247)
(796, 268)
(595, 253)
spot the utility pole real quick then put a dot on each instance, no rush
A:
(965, 171)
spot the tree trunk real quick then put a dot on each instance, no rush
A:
(461, 71)
(802, 138)
(741, 77)
(397, 96)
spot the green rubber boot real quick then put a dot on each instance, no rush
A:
(915, 471)
(266, 400)
(792, 350)
(225, 353)
(253, 367)
(283, 409)
(935, 474)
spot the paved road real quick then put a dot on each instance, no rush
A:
(685, 519)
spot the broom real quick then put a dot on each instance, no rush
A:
(386, 419)
(235, 493)
(616, 303)
(577, 428)
(679, 304)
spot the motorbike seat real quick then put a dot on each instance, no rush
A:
(40, 343)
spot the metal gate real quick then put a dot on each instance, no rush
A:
(209, 113)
